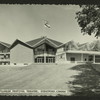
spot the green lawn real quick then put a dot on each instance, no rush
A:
(76, 79)
(89, 80)
(42, 77)
(96, 67)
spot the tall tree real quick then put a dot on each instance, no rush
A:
(88, 19)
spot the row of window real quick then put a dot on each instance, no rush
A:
(4, 56)
(5, 63)
(43, 60)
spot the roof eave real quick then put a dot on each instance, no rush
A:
(20, 43)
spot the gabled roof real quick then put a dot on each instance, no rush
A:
(5, 44)
(82, 44)
(38, 41)
(33, 42)
(55, 42)
(20, 42)
(69, 45)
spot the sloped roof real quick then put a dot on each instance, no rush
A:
(84, 46)
(96, 46)
(71, 45)
(55, 42)
(20, 42)
(33, 42)
(5, 44)
(37, 41)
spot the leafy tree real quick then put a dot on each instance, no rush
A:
(88, 19)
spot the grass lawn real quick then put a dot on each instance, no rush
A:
(41, 77)
(88, 80)
(82, 80)
(96, 67)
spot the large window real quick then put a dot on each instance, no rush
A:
(45, 48)
(40, 49)
(97, 59)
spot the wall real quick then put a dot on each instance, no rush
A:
(60, 49)
(85, 57)
(76, 56)
(21, 54)
(61, 58)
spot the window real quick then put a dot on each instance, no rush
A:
(91, 58)
(97, 59)
(61, 56)
(85, 59)
(72, 59)
(14, 63)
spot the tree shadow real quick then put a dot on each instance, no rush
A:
(87, 83)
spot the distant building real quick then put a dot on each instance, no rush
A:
(46, 50)
(75, 53)
(41, 50)
(4, 53)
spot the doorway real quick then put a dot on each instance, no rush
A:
(72, 59)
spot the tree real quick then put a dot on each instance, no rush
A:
(88, 19)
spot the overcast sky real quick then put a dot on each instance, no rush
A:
(25, 22)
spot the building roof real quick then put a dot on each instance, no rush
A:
(38, 41)
(5, 44)
(33, 42)
(20, 42)
(84, 52)
(81, 52)
(56, 42)
(71, 45)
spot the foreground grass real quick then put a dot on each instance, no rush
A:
(78, 80)
(41, 77)
(87, 83)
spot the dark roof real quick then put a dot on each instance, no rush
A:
(64, 44)
(39, 40)
(20, 42)
(33, 42)
(5, 44)
(55, 42)
(82, 44)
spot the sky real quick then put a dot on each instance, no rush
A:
(26, 22)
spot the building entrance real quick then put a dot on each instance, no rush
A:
(50, 59)
(39, 60)
(45, 60)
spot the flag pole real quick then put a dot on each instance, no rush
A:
(45, 25)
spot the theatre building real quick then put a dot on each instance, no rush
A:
(41, 50)
(47, 51)
(71, 53)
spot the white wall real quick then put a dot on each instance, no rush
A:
(61, 58)
(76, 56)
(85, 56)
(21, 54)
(60, 49)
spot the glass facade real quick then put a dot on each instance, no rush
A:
(45, 49)
(40, 52)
